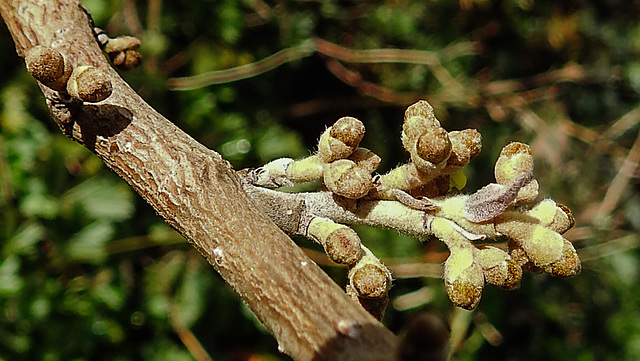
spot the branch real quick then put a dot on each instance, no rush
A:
(196, 192)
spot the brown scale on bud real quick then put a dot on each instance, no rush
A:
(432, 149)
(48, 67)
(341, 139)
(340, 242)
(121, 51)
(569, 263)
(343, 246)
(465, 145)
(370, 280)
(89, 84)
(344, 178)
(365, 159)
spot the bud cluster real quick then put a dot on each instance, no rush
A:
(345, 168)
(416, 198)
(369, 279)
(435, 155)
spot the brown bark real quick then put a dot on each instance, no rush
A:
(198, 193)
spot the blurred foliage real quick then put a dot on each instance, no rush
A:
(89, 272)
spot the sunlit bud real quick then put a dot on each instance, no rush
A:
(343, 177)
(432, 149)
(465, 145)
(89, 84)
(340, 139)
(48, 67)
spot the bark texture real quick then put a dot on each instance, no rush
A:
(198, 193)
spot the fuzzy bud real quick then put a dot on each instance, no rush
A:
(120, 44)
(432, 149)
(89, 84)
(340, 139)
(569, 263)
(516, 159)
(122, 52)
(365, 159)
(48, 67)
(464, 279)
(340, 242)
(343, 246)
(553, 215)
(343, 177)
(499, 269)
(465, 145)
(423, 109)
(126, 60)
(370, 280)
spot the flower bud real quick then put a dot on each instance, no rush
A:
(89, 84)
(465, 145)
(343, 246)
(553, 215)
(365, 159)
(340, 139)
(343, 177)
(423, 109)
(463, 278)
(569, 263)
(432, 149)
(465, 291)
(515, 159)
(348, 130)
(370, 280)
(499, 269)
(48, 67)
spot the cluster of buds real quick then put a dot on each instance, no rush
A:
(83, 83)
(435, 155)
(121, 50)
(346, 170)
(507, 208)
(416, 198)
(369, 280)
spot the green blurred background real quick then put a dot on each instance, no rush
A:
(89, 272)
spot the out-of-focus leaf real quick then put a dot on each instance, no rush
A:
(88, 244)
(10, 279)
(277, 142)
(191, 296)
(25, 240)
(38, 202)
(102, 198)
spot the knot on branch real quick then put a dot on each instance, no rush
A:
(416, 198)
